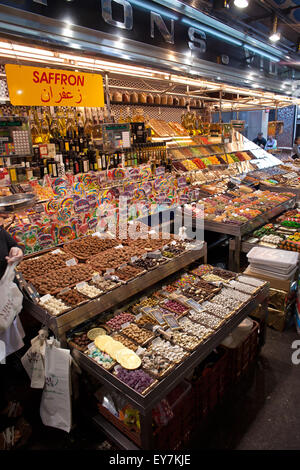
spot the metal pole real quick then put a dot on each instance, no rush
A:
(107, 97)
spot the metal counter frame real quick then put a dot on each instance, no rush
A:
(145, 403)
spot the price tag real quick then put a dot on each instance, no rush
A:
(158, 317)
(171, 322)
(174, 243)
(80, 285)
(155, 254)
(64, 291)
(119, 247)
(45, 298)
(194, 305)
(109, 271)
(96, 234)
(133, 259)
(96, 278)
(71, 262)
(125, 325)
(56, 252)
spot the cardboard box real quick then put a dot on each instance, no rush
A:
(274, 282)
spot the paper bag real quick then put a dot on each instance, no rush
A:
(55, 409)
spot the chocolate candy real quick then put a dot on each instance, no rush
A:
(40, 265)
(81, 340)
(128, 272)
(89, 246)
(72, 297)
(57, 280)
(116, 322)
(224, 274)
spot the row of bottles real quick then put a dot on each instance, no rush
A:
(77, 157)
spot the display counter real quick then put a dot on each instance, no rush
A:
(145, 402)
(62, 323)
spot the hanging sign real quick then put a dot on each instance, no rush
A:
(35, 86)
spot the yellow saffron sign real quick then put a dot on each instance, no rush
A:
(35, 86)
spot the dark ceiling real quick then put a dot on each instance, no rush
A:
(257, 18)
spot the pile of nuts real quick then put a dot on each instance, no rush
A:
(137, 334)
(125, 341)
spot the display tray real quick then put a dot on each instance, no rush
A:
(280, 189)
(146, 401)
(16, 202)
(68, 320)
(240, 230)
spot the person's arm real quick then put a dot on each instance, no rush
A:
(15, 252)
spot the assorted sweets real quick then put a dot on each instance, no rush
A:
(73, 275)
(145, 341)
(237, 208)
(282, 233)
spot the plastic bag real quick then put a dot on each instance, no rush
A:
(11, 298)
(55, 409)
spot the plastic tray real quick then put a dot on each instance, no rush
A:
(270, 257)
(276, 274)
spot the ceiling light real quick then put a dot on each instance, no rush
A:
(241, 3)
(275, 35)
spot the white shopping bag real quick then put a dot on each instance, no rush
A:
(33, 360)
(55, 409)
(11, 298)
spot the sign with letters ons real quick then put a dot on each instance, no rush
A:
(35, 86)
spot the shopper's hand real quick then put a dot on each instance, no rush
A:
(15, 255)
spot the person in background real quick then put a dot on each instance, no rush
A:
(296, 148)
(13, 428)
(271, 143)
(260, 140)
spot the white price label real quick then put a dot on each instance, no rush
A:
(45, 298)
(71, 262)
(56, 252)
